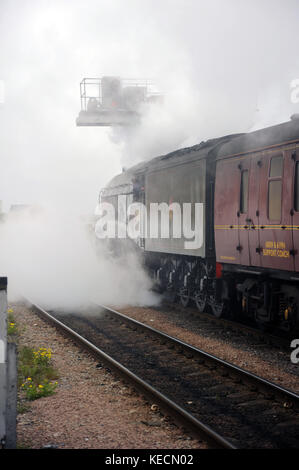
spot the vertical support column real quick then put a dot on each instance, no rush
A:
(3, 359)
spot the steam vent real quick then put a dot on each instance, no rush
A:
(111, 101)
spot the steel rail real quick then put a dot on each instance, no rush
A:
(236, 326)
(244, 375)
(176, 411)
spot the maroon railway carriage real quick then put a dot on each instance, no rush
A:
(248, 264)
(256, 223)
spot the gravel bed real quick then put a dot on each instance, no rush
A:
(91, 408)
(260, 359)
(239, 414)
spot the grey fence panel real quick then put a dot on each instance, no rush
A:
(11, 397)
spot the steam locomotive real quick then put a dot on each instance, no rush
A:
(248, 264)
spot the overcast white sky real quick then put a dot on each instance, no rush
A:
(225, 65)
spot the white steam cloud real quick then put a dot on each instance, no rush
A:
(50, 258)
(224, 67)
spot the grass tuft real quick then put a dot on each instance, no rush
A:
(12, 329)
(36, 376)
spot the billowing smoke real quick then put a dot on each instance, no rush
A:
(224, 67)
(50, 258)
(160, 129)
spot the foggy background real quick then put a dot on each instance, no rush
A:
(224, 66)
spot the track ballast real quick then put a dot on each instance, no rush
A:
(231, 407)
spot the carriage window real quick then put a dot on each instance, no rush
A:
(274, 199)
(296, 188)
(275, 188)
(276, 167)
(244, 192)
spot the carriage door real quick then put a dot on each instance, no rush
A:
(275, 220)
(294, 164)
(243, 212)
(227, 210)
(253, 219)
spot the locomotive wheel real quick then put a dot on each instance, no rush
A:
(165, 271)
(218, 308)
(170, 295)
(184, 297)
(200, 300)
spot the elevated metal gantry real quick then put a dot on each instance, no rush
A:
(109, 101)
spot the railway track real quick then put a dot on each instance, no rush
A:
(232, 408)
(213, 323)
